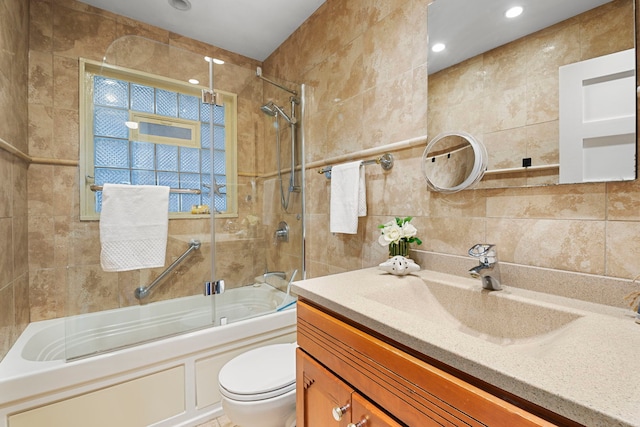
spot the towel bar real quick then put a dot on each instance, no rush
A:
(385, 161)
(172, 190)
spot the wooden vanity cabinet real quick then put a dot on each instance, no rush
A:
(340, 364)
(324, 400)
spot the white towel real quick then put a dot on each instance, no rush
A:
(133, 226)
(348, 197)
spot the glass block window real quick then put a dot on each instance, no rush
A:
(117, 157)
(166, 103)
(142, 98)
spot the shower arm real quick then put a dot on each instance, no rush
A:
(144, 291)
(259, 74)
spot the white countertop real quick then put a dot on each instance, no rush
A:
(587, 370)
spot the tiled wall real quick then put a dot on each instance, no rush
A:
(14, 274)
(65, 275)
(508, 97)
(365, 63)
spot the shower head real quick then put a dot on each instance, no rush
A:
(268, 109)
(272, 109)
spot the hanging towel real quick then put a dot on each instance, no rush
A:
(348, 197)
(133, 226)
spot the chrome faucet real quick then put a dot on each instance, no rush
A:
(280, 274)
(488, 270)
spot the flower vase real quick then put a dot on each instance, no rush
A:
(399, 249)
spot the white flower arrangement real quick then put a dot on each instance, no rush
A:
(398, 230)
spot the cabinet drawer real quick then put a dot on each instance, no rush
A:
(415, 392)
(325, 400)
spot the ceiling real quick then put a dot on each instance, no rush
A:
(483, 25)
(253, 28)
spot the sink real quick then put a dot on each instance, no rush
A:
(495, 316)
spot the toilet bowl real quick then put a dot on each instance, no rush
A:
(258, 387)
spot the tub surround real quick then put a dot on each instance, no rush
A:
(586, 370)
(128, 379)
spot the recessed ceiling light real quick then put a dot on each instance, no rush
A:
(182, 5)
(194, 81)
(513, 12)
(438, 47)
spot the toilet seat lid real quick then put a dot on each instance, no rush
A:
(269, 370)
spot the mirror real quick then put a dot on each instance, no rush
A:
(453, 161)
(506, 91)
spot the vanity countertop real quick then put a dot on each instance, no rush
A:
(587, 370)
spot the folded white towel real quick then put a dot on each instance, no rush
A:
(348, 197)
(133, 226)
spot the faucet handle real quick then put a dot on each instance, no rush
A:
(482, 250)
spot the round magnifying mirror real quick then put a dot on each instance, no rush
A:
(453, 161)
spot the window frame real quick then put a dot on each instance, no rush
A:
(87, 70)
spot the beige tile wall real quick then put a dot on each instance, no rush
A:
(64, 252)
(365, 64)
(508, 97)
(14, 273)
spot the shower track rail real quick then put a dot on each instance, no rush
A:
(144, 291)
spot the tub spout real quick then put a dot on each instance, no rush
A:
(280, 274)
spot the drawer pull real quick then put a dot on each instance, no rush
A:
(339, 412)
(360, 423)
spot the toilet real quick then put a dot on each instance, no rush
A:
(258, 387)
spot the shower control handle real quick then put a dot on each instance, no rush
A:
(282, 233)
(339, 412)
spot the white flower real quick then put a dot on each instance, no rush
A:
(408, 230)
(391, 233)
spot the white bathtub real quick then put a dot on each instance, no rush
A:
(167, 382)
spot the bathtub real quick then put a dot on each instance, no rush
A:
(161, 383)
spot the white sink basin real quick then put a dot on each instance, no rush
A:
(495, 316)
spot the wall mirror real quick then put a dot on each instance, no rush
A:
(498, 79)
(453, 161)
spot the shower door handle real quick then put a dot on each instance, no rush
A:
(214, 288)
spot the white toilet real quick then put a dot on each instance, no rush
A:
(259, 387)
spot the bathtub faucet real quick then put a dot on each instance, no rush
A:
(487, 270)
(280, 274)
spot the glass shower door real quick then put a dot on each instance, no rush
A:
(143, 124)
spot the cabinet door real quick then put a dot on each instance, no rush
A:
(366, 414)
(320, 395)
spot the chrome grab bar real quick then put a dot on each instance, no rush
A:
(144, 291)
